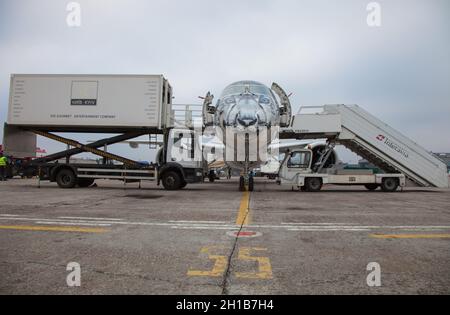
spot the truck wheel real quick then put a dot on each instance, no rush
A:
(171, 181)
(371, 186)
(313, 184)
(85, 182)
(389, 184)
(29, 172)
(241, 183)
(251, 183)
(66, 178)
(211, 176)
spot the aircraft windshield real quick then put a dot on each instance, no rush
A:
(238, 88)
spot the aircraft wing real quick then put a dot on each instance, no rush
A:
(289, 144)
(211, 142)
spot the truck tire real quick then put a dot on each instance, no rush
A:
(171, 180)
(371, 187)
(313, 184)
(389, 184)
(241, 183)
(251, 183)
(66, 178)
(29, 172)
(85, 182)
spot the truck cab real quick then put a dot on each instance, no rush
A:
(294, 166)
(298, 161)
(181, 161)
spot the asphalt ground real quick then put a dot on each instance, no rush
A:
(212, 239)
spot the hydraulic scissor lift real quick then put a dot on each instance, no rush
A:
(69, 175)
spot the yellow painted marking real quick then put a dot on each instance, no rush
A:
(220, 264)
(264, 266)
(53, 228)
(387, 236)
(243, 217)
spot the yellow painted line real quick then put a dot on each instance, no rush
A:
(243, 217)
(53, 228)
(387, 236)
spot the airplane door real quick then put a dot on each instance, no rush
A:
(286, 110)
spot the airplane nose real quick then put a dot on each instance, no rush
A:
(247, 121)
(246, 111)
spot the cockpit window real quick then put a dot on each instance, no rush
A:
(241, 87)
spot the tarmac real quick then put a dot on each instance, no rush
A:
(210, 238)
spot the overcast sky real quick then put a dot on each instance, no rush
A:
(321, 51)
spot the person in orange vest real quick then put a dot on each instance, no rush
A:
(3, 164)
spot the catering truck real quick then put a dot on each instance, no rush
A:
(127, 106)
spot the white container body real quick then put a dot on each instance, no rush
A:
(127, 101)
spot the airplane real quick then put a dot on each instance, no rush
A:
(250, 108)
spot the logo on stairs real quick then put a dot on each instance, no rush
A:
(393, 145)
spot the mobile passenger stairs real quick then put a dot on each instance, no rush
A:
(370, 138)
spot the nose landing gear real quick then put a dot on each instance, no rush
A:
(246, 182)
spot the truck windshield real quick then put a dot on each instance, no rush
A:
(299, 160)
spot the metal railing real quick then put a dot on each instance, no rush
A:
(186, 115)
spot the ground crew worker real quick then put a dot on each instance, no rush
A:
(3, 163)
